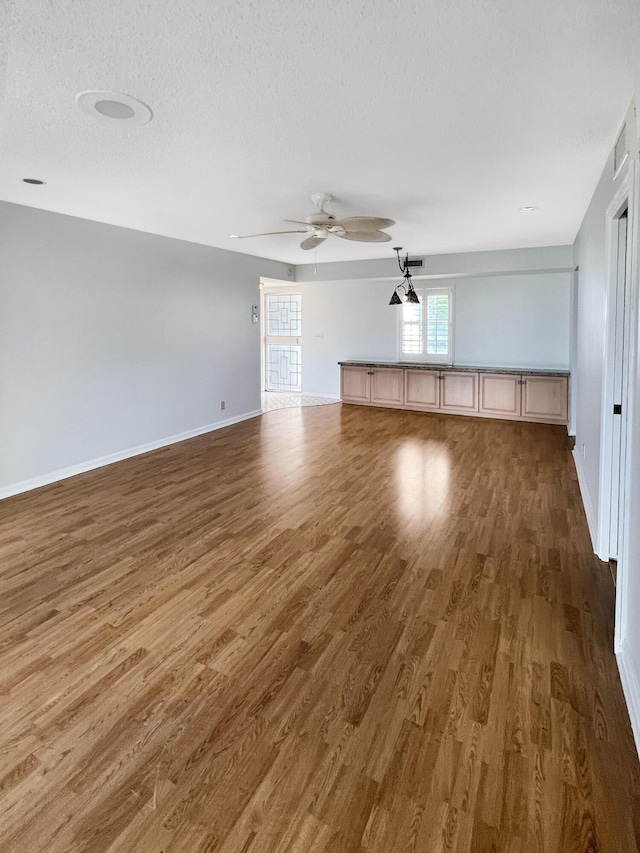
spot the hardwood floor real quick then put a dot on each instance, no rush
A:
(326, 629)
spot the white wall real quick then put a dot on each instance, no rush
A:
(589, 383)
(513, 321)
(355, 322)
(588, 374)
(111, 339)
(500, 321)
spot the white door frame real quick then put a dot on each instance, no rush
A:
(626, 197)
(620, 322)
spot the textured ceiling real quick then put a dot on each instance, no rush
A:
(444, 116)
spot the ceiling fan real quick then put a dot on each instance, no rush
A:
(318, 226)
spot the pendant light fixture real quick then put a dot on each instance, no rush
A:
(409, 294)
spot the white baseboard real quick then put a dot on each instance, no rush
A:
(592, 518)
(631, 689)
(92, 464)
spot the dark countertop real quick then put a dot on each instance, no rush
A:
(521, 371)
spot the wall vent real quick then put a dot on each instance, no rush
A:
(415, 262)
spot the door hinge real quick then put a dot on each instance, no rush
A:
(617, 408)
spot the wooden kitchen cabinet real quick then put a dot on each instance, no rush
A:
(458, 391)
(500, 395)
(355, 384)
(483, 393)
(378, 386)
(422, 389)
(545, 398)
(524, 397)
(387, 387)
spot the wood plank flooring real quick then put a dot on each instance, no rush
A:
(329, 629)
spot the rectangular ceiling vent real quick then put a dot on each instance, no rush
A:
(415, 262)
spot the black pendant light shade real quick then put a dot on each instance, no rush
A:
(412, 296)
(409, 294)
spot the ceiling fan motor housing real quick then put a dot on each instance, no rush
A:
(321, 218)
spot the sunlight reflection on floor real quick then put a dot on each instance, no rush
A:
(422, 473)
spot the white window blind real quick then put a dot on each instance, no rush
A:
(425, 332)
(437, 323)
(411, 329)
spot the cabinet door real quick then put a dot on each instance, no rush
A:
(355, 384)
(387, 387)
(545, 398)
(500, 394)
(422, 389)
(459, 392)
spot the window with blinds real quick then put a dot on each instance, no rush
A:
(411, 329)
(437, 323)
(425, 332)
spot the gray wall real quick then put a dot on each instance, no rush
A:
(111, 339)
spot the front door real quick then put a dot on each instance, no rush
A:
(283, 342)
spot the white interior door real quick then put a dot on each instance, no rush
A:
(283, 342)
(619, 364)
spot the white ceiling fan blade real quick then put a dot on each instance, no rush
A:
(313, 241)
(366, 236)
(364, 223)
(265, 234)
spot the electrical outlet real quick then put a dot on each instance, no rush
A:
(223, 405)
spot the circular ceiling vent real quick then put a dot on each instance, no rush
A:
(114, 107)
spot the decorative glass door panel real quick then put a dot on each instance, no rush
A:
(283, 342)
(283, 368)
